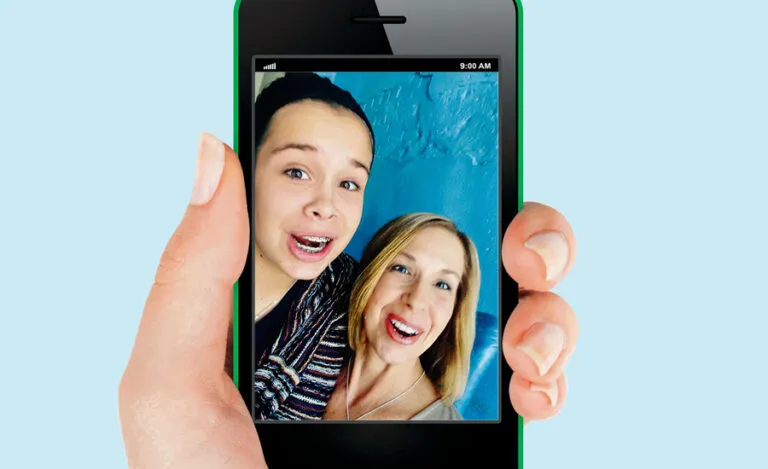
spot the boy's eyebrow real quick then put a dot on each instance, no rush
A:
(311, 148)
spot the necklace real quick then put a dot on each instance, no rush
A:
(346, 394)
(269, 307)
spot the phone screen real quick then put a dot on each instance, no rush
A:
(376, 233)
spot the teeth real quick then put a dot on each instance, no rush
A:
(403, 328)
(322, 241)
(310, 249)
(317, 239)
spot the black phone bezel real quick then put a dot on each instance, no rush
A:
(324, 27)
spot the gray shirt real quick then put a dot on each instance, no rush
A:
(438, 411)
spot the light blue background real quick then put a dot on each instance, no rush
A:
(435, 132)
(646, 124)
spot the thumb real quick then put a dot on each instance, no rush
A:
(182, 335)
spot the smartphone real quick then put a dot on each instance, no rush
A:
(380, 145)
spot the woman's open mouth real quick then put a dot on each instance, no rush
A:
(401, 331)
(310, 247)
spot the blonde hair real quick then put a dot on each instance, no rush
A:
(446, 362)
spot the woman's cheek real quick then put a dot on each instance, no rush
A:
(445, 315)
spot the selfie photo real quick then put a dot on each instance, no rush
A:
(376, 266)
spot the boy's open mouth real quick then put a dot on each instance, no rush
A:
(311, 244)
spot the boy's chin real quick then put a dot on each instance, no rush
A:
(306, 271)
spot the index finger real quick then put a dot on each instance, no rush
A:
(539, 247)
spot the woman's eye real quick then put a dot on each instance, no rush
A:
(400, 268)
(443, 286)
(350, 185)
(294, 173)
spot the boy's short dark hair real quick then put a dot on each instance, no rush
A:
(294, 87)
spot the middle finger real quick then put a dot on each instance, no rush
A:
(540, 336)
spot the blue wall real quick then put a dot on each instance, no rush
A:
(437, 151)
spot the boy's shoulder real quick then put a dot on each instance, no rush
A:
(343, 269)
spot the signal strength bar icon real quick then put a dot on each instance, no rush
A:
(272, 66)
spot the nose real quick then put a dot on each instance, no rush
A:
(417, 296)
(322, 205)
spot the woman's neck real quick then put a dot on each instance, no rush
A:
(272, 283)
(373, 381)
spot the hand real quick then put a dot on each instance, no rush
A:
(538, 251)
(179, 408)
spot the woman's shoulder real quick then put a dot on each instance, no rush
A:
(439, 410)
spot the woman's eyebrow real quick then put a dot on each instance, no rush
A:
(445, 271)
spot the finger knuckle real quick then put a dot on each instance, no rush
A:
(171, 267)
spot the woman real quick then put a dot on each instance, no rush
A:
(411, 323)
(314, 151)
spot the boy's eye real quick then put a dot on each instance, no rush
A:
(294, 173)
(350, 185)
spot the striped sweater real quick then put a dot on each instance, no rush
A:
(294, 381)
